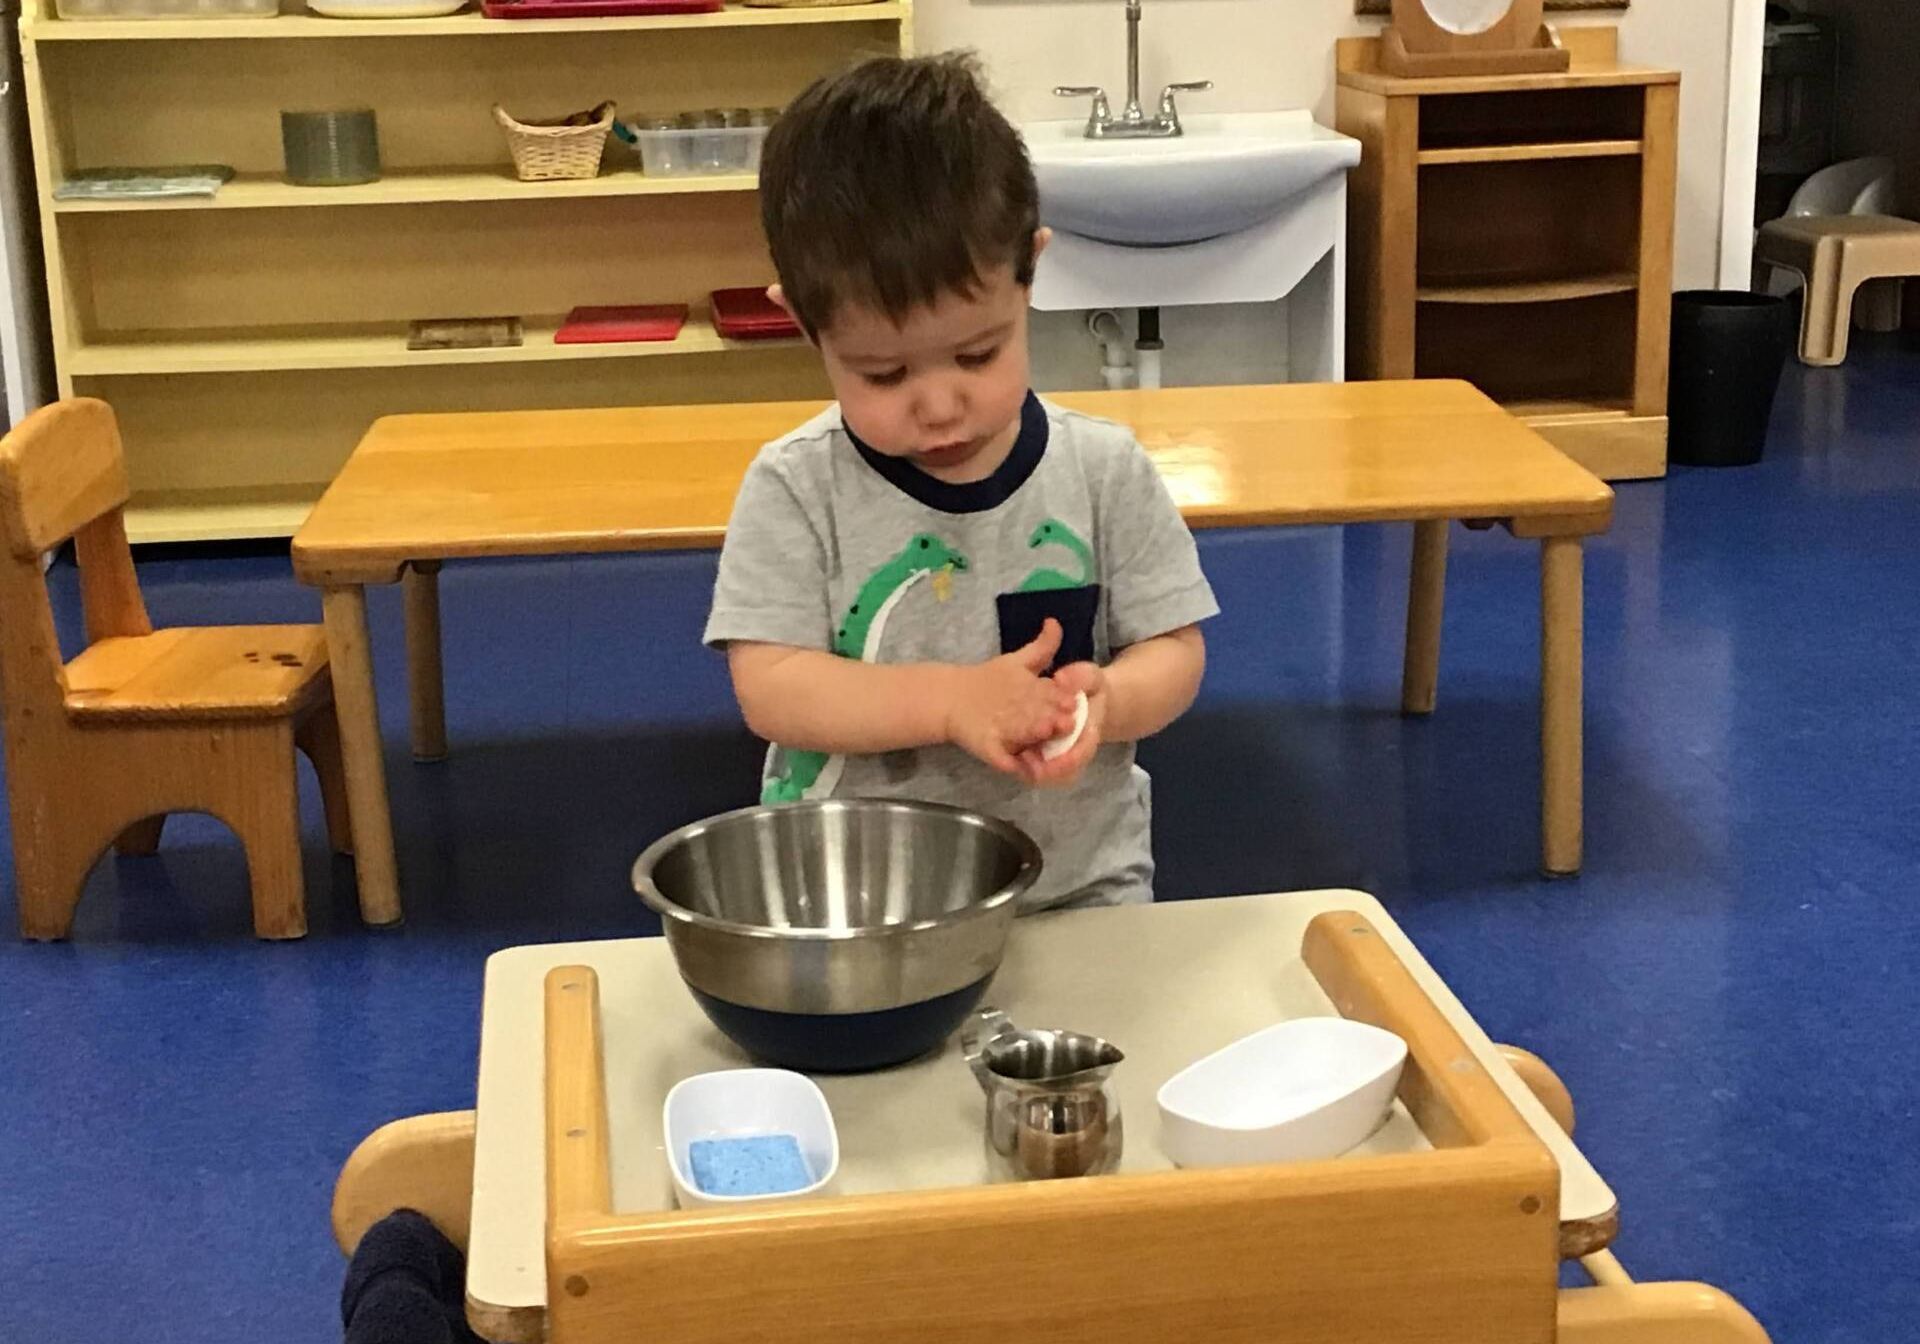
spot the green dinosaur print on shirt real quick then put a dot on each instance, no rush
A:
(865, 621)
(859, 636)
(1053, 532)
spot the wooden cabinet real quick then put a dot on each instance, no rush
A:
(1517, 231)
(248, 340)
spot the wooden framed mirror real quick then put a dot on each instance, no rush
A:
(1470, 37)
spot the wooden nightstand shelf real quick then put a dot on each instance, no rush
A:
(247, 341)
(1517, 231)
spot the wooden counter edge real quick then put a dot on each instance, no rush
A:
(326, 564)
(506, 1325)
(1587, 1235)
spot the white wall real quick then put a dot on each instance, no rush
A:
(1260, 54)
(1264, 54)
(1691, 36)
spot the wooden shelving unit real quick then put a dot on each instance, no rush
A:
(471, 24)
(1517, 231)
(248, 340)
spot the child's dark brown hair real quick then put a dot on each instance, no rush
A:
(893, 184)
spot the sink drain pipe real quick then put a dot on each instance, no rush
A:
(1120, 366)
(1146, 350)
(1116, 361)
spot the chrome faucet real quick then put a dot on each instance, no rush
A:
(1133, 122)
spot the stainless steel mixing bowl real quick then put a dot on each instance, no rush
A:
(838, 935)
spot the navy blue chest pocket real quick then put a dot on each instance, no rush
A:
(1022, 614)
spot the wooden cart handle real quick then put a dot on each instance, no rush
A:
(579, 1180)
(1452, 1097)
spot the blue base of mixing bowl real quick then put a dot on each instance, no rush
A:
(846, 1042)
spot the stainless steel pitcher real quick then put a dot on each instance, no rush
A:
(1051, 1107)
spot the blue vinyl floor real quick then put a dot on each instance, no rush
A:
(1729, 990)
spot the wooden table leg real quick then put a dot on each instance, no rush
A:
(1606, 1270)
(351, 655)
(1560, 704)
(1426, 597)
(425, 680)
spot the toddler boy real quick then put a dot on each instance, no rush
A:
(918, 585)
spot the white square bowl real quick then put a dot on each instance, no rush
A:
(744, 1104)
(1294, 1092)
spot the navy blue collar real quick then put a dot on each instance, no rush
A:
(973, 496)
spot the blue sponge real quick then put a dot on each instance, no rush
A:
(769, 1164)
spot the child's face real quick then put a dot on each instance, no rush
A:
(942, 389)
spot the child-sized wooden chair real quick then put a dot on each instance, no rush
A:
(142, 723)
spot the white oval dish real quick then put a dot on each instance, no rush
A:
(748, 1103)
(1294, 1092)
(386, 9)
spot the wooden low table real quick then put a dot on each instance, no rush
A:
(1167, 983)
(423, 489)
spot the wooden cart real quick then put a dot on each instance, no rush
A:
(1449, 1225)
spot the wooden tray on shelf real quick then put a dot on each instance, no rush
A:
(1544, 55)
(1457, 1203)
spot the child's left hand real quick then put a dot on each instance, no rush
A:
(1064, 770)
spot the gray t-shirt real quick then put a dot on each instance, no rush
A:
(834, 547)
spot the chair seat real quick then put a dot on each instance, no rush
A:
(1890, 246)
(217, 672)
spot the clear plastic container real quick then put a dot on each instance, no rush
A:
(166, 9)
(701, 144)
(713, 152)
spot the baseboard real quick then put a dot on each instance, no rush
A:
(1612, 447)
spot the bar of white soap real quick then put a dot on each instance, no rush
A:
(1063, 744)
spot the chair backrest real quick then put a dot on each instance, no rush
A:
(62, 477)
(1852, 187)
(60, 469)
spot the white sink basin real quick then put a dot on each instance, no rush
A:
(1225, 174)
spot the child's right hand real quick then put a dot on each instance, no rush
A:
(1009, 704)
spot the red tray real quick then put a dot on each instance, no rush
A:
(642, 322)
(749, 315)
(593, 9)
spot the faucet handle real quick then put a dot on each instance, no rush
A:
(1168, 111)
(1101, 114)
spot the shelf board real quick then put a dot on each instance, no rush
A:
(471, 24)
(384, 347)
(220, 514)
(1552, 149)
(1581, 76)
(1530, 291)
(417, 186)
(1570, 408)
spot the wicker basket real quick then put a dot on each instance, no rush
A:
(568, 147)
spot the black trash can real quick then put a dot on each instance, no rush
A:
(1728, 350)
